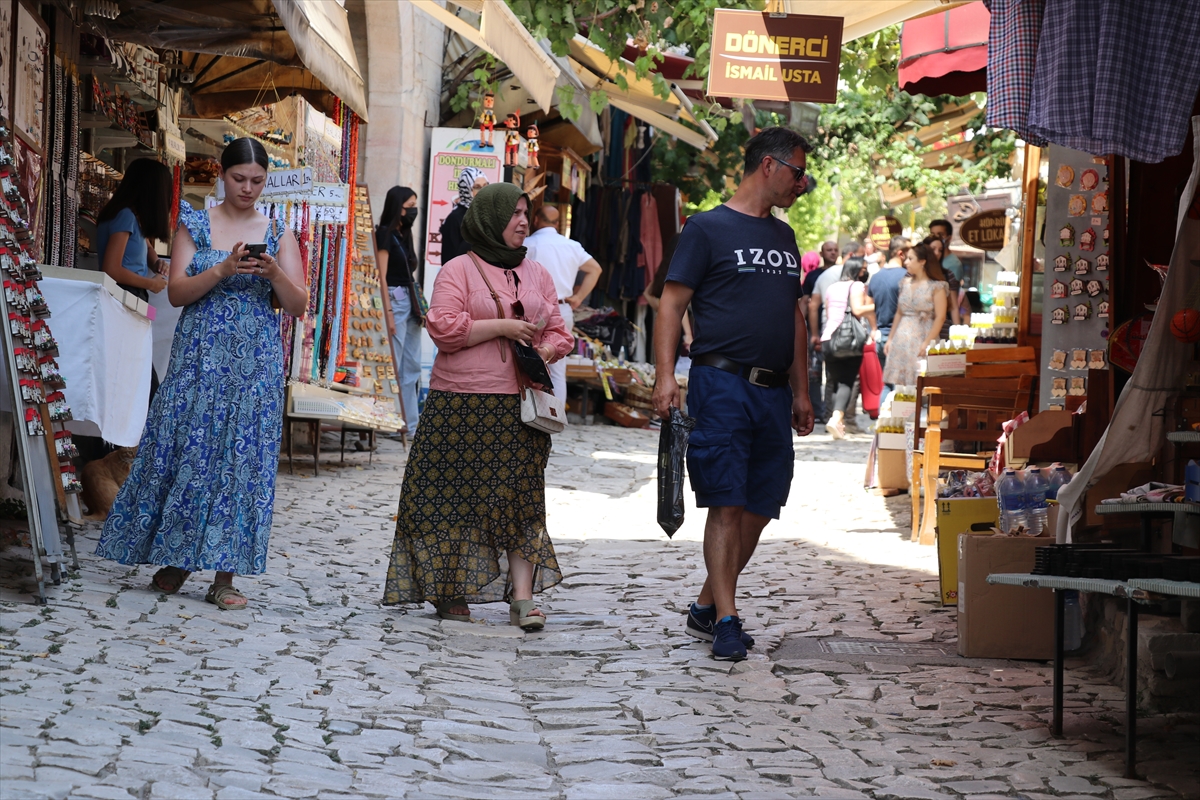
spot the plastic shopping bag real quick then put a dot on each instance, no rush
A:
(672, 447)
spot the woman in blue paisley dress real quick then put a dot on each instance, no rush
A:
(201, 491)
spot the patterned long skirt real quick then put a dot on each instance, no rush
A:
(474, 490)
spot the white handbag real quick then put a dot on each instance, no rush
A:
(542, 411)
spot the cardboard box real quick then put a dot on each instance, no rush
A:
(892, 441)
(953, 364)
(973, 515)
(1002, 621)
(891, 466)
(903, 408)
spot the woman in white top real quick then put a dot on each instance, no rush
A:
(849, 293)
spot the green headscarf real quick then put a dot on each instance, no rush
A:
(486, 219)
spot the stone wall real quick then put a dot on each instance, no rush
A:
(1158, 635)
(400, 52)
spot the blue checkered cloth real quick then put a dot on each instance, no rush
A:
(1013, 36)
(1101, 76)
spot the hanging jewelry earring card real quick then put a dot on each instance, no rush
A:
(366, 345)
(1075, 321)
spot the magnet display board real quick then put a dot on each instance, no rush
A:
(1075, 318)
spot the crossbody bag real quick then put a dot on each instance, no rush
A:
(540, 410)
(850, 336)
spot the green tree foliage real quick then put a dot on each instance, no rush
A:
(865, 139)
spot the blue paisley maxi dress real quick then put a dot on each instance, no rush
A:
(201, 491)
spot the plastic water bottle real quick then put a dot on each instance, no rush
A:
(1059, 478)
(1035, 500)
(1010, 494)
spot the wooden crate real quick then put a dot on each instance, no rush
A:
(626, 416)
(1001, 362)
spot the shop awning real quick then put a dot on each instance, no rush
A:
(598, 71)
(243, 52)
(866, 17)
(502, 34)
(945, 53)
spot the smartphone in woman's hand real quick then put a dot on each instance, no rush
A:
(256, 250)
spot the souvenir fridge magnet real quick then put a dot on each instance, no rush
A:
(1095, 288)
(1087, 240)
(1082, 265)
(1096, 359)
(1079, 359)
(1077, 286)
(1066, 236)
(1078, 387)
(1060, 315)
(1065, 176)
(1089, 179)
(1100, 203)
(1058, 387)
(1104, 236)
(1058, 290)
(1062, 262)
(1083, 311)
(1102, 310)
(1058, 360)
(1077, 205)
(1102, 262)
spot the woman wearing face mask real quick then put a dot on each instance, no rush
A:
(470, 181)
(471, 526)
(201, 491)
(398, 259)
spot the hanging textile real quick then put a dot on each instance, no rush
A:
(652, 243)
(1102, 77)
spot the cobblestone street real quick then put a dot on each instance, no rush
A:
(115, 691)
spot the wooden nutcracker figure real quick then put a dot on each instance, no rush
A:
(512, 138)
(487, 120)
(531, 146)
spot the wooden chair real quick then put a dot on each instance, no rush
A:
(975, 410)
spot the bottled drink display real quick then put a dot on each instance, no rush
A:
(1036, 486)
(1059, 478)
(1010, 494)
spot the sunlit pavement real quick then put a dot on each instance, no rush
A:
(115, 691)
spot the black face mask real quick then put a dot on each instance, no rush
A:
(410, 215)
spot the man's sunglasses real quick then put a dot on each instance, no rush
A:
(798, 170)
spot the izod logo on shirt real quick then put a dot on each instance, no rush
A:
(767, 262)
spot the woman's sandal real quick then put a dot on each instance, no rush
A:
(444, 609)
(520, 613)
(169, 580)
(221, 593)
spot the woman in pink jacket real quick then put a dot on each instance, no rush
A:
(471, 527)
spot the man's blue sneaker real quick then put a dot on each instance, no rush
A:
(727, 640)
(701, 622)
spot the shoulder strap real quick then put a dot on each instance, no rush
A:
(495, 298)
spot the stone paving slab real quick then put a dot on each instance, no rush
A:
(116, 691)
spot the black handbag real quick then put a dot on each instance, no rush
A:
(851, 334)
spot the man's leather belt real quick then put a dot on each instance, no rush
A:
(755, 375)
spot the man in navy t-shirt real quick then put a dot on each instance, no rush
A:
(739, 269)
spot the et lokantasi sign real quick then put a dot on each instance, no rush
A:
(763, 56)
(987, 230)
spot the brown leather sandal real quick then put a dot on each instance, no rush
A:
(169, 580)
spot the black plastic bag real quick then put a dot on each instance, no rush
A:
(672, 447)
